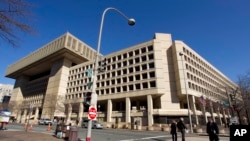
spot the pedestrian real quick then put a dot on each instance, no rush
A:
(182, 128)
(173, 131)
(212, 130)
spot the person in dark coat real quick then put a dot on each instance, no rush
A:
(212, 130)
(173, 131)
(182, 128)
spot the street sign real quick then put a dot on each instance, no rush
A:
(92, 113)
(89, 72)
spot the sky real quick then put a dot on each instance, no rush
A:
(218, 30)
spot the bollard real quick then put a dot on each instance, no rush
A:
(73, 135)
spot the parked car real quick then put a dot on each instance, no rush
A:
(95, 124)
(45, 121)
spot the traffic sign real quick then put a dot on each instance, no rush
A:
(92, 113)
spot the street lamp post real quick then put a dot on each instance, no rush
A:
(189, 114)
(93, 101)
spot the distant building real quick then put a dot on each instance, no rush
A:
(5, 91)
(148, 83)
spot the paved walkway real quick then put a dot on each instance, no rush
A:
(26, 136)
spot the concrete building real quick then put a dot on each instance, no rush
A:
(5, 90)
(148, 83)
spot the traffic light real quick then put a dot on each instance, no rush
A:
(235, 107)
(103, 64)
(87, 98)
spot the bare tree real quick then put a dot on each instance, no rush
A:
(244, 87)
(14, 16)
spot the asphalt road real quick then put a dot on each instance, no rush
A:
(109, 134)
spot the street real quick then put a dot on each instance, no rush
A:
(108, 134)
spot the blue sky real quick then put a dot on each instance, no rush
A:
(219, 30)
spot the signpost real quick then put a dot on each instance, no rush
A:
(92, 113)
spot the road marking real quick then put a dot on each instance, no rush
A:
(147, 138)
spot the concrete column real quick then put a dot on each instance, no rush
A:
(204, 112)
(218, 113)
(80, 113)
(211, 110)
(224, 116)
(19, 116)
(193, 107)
(150, 110)
(24, 116)
(128, 110)
(69, 113)
(36, 113)
(109, 111)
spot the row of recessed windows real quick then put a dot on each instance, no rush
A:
(204, 91)
(125, 71)
(130, 54)
(126, 88)
(126, 63)
(201, 75)
(122, 80)
(198, 63)
(122, 57)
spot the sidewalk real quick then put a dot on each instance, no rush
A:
(197, 139)
(6, 135)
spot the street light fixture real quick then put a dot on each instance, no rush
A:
(189, 114)
(93, 101)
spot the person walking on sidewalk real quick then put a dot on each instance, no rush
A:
(182, 128)
(173, 131)
(212, 130)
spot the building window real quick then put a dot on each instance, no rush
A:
(113, 82)
(119, 65)
(124, 71)
(124, 63)
(114, 58)
(118, 89)
(131, 78)
(137, 60)
(124, 56)
(151, 65)
(144, 58)
(124, 79)
(124, 88)
(152, 74)
(137, 68)
(150, 48)
(131, 62)
(118, 81)
(131, 87)
(118, 72)
(137, 52)
(138, 86)
(130, 54)
(144, 76)
(145, 85)
(137, 77)
(143, 50)
(131, 70)
(152, 84)
(119, 57)
(144, 67)
(151, 56)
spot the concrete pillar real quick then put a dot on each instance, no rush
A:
(218, 114)
(24, 117)
(224, 116)
(128, 110)
(150, 110)
(204, 112)
(109, 111)
(211, 110)
(19, 116)
(36, 113)
(69, 113)
(80, 113)
(193, 107)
